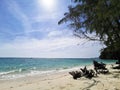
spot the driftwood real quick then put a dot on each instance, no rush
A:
(100, 67)
(84, 72)
(118, 62)
(76, 74)
(116, 67)
(88, 73)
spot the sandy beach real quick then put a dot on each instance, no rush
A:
(64, 81)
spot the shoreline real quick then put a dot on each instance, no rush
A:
(35, 73)
(64, 81)
(19, 68)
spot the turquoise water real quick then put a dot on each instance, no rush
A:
(20, 67)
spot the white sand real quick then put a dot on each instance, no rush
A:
(64, 81)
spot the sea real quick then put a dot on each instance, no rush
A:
(12, 68)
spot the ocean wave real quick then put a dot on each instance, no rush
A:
(12, 76)
(8, 72)
(12, 71)
(21, 69)
(31, 72)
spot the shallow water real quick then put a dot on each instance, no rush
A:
(19, 67)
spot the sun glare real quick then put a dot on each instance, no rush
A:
(48, 5)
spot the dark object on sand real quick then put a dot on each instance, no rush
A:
(116, 67)
(118, 62)
(86, 73)
(100, 67)
(76, 74)
(91, 74)
(84, 70)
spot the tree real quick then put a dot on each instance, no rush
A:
(96, 20)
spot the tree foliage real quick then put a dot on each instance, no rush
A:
(110, 53)
(100, 18)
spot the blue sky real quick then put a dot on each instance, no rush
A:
(28, 28)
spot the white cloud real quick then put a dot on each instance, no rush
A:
(57, 43)
(60, 33)
(43, 45)
(57, 47)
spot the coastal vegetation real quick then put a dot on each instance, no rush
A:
(97, 20)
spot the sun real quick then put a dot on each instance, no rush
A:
(48, 5)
